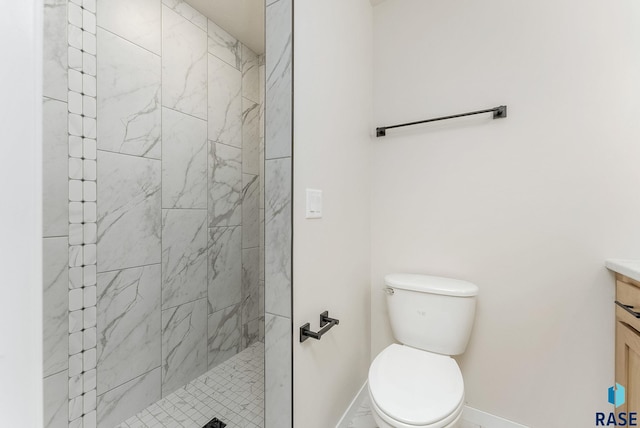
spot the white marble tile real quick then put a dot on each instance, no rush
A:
(277, 354)
(128, 325)
(75, 412)
(278, 236)
(55, 305)
(75, 14)
(128, 212)
(89, 22)
(250, 211)
(126, 400)
(55, 169)
(184, 256)
(188, 12)
(74, 57)
(128, 85)
(250, 75)
(224, 335)
(184, 65)
(261, 306)
(89, 42)
(56, 399)
(224, 46)
(262, 160)
(252, 332)
(89, 65)
(138, 21)
(278, 79)
(263, 82)
(225, 185)
(250, 137)
(262, 242)
(89, 5)
(363, 417)
(184, 164)
(467, 424)
(184, 344)
(225, 103)
(54, 49)
(225, 267)
(251, 309)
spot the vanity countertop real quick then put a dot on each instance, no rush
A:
(626, 267)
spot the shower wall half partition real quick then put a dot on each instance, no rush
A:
(278, 218)
(155, 185)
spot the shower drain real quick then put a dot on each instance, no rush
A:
(215, 423)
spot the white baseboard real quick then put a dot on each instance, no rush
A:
(487, 420)
(350, 413)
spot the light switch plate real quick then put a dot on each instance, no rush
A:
(314, 203)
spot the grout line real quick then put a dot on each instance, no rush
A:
(277, 158)
(183, 209)
(182, 112)
(187, 19)
(243, 231)
(162, 143)
(127, 40)
(228, 145)
(235, 67)
(181, 304)
(47, 98)
(208, 196)
(56, 373)
(127, 154)
(125, 268)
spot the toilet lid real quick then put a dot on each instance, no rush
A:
(415, 387)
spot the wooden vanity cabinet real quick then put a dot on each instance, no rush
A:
(628, 341)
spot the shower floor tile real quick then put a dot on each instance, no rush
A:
(232, 392)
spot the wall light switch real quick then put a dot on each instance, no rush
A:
(314, 203)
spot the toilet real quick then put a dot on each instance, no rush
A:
(416, 384)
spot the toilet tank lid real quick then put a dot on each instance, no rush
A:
(431, 284)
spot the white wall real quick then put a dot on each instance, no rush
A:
(332, 146)
(527, 207)
(21, 215)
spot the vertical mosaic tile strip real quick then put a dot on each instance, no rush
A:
(81, 36)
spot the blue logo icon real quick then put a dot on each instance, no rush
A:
(616, 395)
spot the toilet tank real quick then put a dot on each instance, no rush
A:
(431, 313)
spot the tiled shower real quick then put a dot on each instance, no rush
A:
(154, 205)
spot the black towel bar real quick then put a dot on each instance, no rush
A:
(498, 113)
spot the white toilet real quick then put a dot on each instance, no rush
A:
(417, 384)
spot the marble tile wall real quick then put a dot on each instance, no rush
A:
(83, 215)
(153, 206)
(277, 214)
(55, 216)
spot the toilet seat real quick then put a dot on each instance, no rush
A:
(386, 421)
(415, 388)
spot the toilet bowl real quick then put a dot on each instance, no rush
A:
(416, 384)
(411, 388)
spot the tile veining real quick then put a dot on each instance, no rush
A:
(152, 209)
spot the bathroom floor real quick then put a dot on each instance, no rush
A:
(232, 392)
(363, 418)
